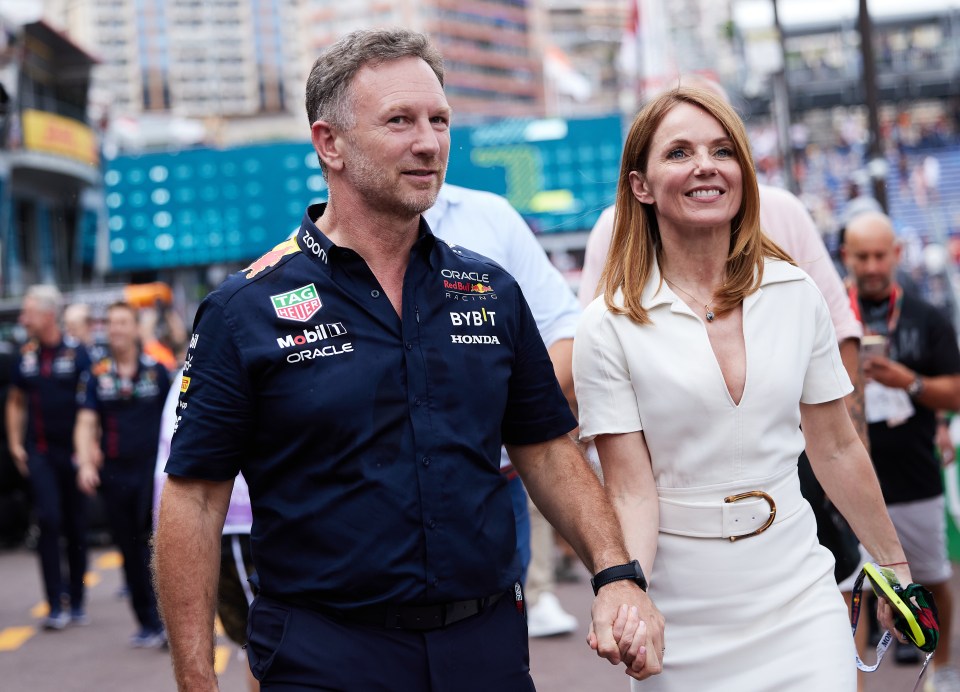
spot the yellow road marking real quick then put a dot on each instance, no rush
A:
(41, 610)
(12, 638)
(109, 560)
(221, 657)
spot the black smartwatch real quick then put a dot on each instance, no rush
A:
(630, 571)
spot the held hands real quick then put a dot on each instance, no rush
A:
(627, 628)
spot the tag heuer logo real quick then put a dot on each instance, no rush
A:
(298, 305)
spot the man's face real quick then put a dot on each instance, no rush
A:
(395, 155)
(34, 318)
(122, 329)
(871, 254)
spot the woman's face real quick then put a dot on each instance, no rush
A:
(693, 179)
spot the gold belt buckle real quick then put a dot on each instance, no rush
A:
(754, 493)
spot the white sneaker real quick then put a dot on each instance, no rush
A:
(548, 618)
(944, 679)
(56, 621)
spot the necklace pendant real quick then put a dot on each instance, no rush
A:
(710, 315)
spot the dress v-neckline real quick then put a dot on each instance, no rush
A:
(719, 368)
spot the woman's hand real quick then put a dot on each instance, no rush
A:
(885, 613)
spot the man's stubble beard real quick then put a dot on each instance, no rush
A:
(381, 192)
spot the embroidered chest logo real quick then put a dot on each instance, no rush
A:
(298, 305)
(459, 285)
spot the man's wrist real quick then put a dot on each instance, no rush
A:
(915, 387)
(630, 571)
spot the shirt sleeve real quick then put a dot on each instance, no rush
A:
(83, 359)
(87, 391)
(16, 375)
(786, 220)
(551, 301)
(536, 409)
(595, 256)
(606, 398)
(215, 417)
(825, 379)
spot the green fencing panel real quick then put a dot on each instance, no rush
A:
(559, 174)
(201, 206)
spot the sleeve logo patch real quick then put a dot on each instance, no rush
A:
(184, 384)
(271, 258)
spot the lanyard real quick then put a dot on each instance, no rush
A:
(893, 310)
(885, 640)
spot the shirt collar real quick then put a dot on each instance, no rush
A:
(657, 292)
(318, 247)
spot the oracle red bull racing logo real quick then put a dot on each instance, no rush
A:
(467, 285)
(298, 305)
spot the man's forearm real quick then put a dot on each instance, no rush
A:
(569, 495)
(84, 438)
(940, 393)
(850, 355)
(186, 572)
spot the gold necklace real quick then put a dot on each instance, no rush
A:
(710, 315)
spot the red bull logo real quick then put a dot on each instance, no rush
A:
(460, 285)
(268, 260)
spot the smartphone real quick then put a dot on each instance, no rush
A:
(873, 345)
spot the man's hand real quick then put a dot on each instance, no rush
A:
(888, 372)
(944, 443)
(627, 628)
(19, 456)
(88, 479)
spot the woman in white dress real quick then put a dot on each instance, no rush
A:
(694, 373)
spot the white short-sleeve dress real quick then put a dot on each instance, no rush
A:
(762, 612)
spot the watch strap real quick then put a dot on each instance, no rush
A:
(631, 571)
(915, 388)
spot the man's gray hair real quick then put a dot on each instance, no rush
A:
(47, 297)
(328, 86)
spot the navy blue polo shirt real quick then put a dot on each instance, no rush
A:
(49, 376)
(129, 411)
(371, 444)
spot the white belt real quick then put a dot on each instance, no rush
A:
(731, 511)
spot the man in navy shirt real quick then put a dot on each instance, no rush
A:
(116, 436)
(40, 412)
(362, 377)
